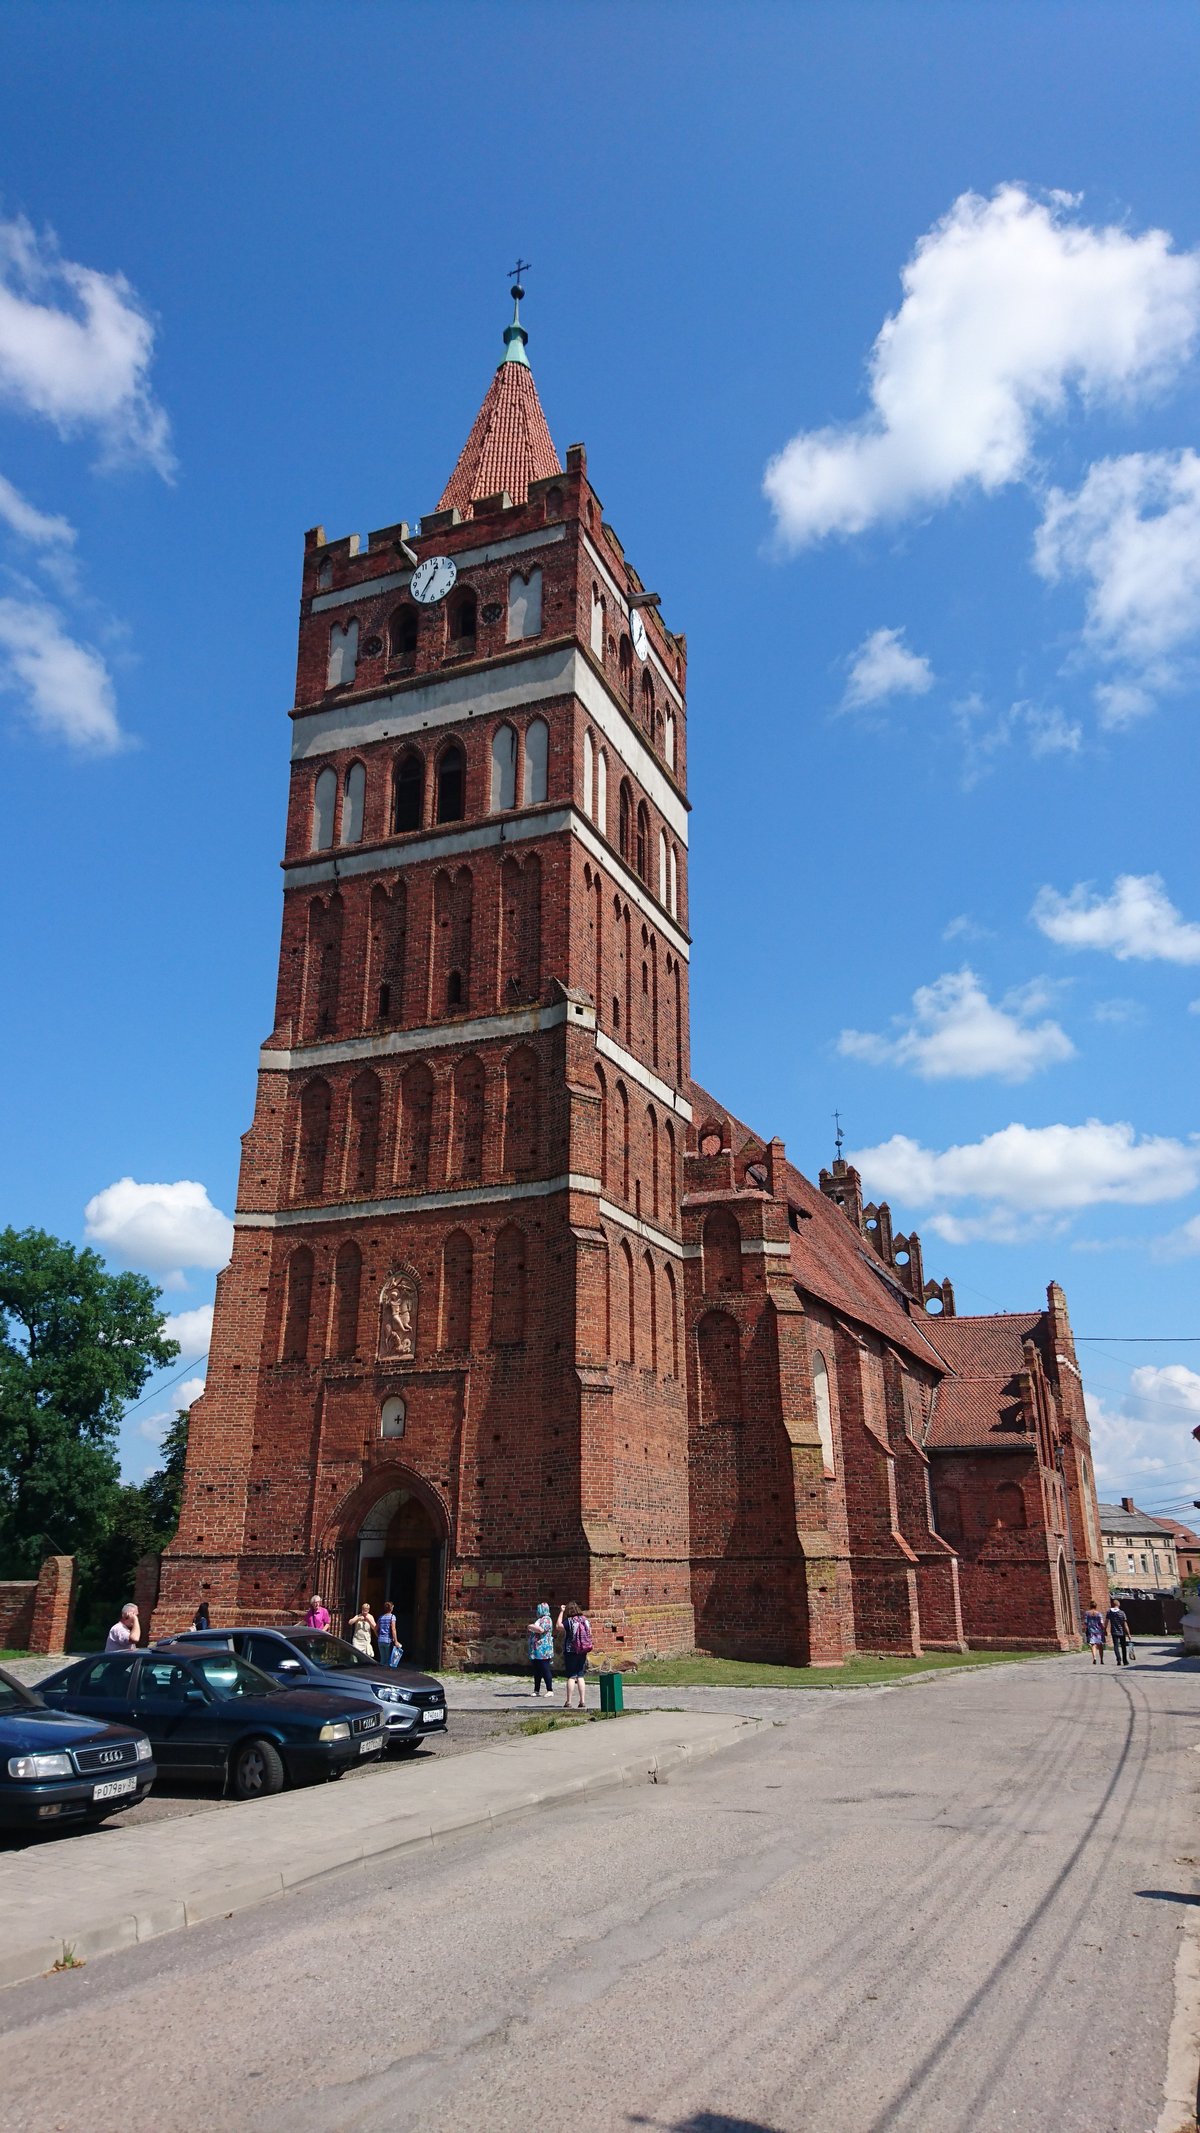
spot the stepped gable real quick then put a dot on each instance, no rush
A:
(830, 1259)
(979, 1402)
(510, 443)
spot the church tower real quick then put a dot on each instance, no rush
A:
(447, 1363)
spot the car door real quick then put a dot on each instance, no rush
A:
(273, 1656)
(179, 1714)
(100, 1688)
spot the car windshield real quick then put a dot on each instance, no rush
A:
(227, 1675)
(331, 1653)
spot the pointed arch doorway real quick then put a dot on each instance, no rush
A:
(399, 1554)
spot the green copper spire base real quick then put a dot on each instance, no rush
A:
(515, 335)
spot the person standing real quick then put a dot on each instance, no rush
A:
(389, 1648)
(541, 1649)
(201, 1618)
(362, 1627)
(1093, 1630)
(577, 1643)
(1118, 1630)
(318, 1616)
(126, 1631)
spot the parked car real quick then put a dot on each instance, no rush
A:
(210, 1714)
(413, 1704)
(59, 1768)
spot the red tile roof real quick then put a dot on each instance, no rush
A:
(509, 445)
(979, 1402)
(1184, 1536)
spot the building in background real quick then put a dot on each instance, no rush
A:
(1187, 1547)
(1139, 1551)
(516, 1307)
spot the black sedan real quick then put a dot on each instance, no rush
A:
(55, 1768)
(209, 1714)
(412, 1704)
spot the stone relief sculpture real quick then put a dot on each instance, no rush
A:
(398, 1319)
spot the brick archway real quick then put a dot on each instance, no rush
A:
(390, 1540)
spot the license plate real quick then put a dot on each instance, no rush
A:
(113, 1788)
(432, 1718)
(370, 1747)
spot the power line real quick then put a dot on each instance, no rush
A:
(1150, 1340)
(160, 1389)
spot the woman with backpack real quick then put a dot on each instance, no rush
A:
(577, 1643)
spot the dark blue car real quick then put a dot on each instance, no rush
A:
(211, 1715)
(412, 1705)
(57, 1768)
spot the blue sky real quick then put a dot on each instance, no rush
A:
(882, 327)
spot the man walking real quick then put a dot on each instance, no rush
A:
(1118, 1630)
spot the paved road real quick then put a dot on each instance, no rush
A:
(950, 1908)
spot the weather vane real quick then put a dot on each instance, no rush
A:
(839, 1138)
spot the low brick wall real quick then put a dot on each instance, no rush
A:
(36, 1613)
(17, 1596)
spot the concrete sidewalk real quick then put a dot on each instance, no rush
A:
(90, 1895)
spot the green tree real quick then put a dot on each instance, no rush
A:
(77, 1344)
(162, 1491)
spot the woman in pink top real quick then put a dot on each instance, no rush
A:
(318, 1616)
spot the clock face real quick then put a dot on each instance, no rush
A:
(433, 579)
(637, 631)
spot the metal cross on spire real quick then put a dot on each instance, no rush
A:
(522, 267)
(839, 1138)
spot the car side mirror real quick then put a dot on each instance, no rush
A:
(194, 1696)
(290, 1666)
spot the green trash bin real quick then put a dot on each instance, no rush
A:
(612, 1692)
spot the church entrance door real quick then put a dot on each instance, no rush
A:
(401, 1558)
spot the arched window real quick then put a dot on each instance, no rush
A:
(402, 633)
(409, 805)
(463, 622)
(453, 898)
(602, 1085)
(722, 1241)
(642, 849)
(388, 943)
(589, 772)
(823, 1409)
(365, 1098)
(353, 803)
(601, 816)
(625, 823)
(416, 1125)
(313, 1145)
(297, 1307)
(524, 604)
(520, 930)
(652, 1141)
(628, 1335)
(620, 1304)
(521, 1112)
(458, 1264)
(671, 1340)
(451, 782)
(597, 622)
(625, 655)
(466, 1122)
(648, 1344)
(509, 1276)
(623, 1150)
(347, 1282)
(504, 769)
(343, 655)
(673, 897)
(663, 879)
(537, 761)
(670, 738)
(669, 1166)
(719, 1354)
(648, 702)
(324, 804)
(323, 971)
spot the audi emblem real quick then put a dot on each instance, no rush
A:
(112, 1755)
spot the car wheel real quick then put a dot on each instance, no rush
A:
(257, 1770)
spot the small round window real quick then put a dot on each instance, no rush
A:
(710, 1143)
(391, 1418)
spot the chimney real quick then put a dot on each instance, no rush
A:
(1128, 1504)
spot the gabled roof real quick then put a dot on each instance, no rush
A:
(1182, 1536)
(980, 1402)
(510, 443)
(1114, 1518)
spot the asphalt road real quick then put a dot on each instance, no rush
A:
(948, 1908)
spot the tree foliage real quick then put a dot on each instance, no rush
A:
(77, 1344)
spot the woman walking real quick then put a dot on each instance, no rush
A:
(577, 1643)
(1093, 1630)
(362, 1627)
(541, 1650)
(389, 1648)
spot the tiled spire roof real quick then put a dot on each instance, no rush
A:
(510, 443)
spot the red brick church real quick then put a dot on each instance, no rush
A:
(516, 1309)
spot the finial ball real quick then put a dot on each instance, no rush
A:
(516, 292)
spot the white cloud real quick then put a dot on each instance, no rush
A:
(24, 519)
(192, 1329)
(1036, 1170)
(76, 347)
(160, 1227)
(1050, 733)
(1131, 533)
(1143, 1447)
(956, 1033)
(1136, 921)
(965, 928)
(883, 666)
(1042, 729)
(1181, 1243)
(1007, 303)
(154, 1427)
(65, 688)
